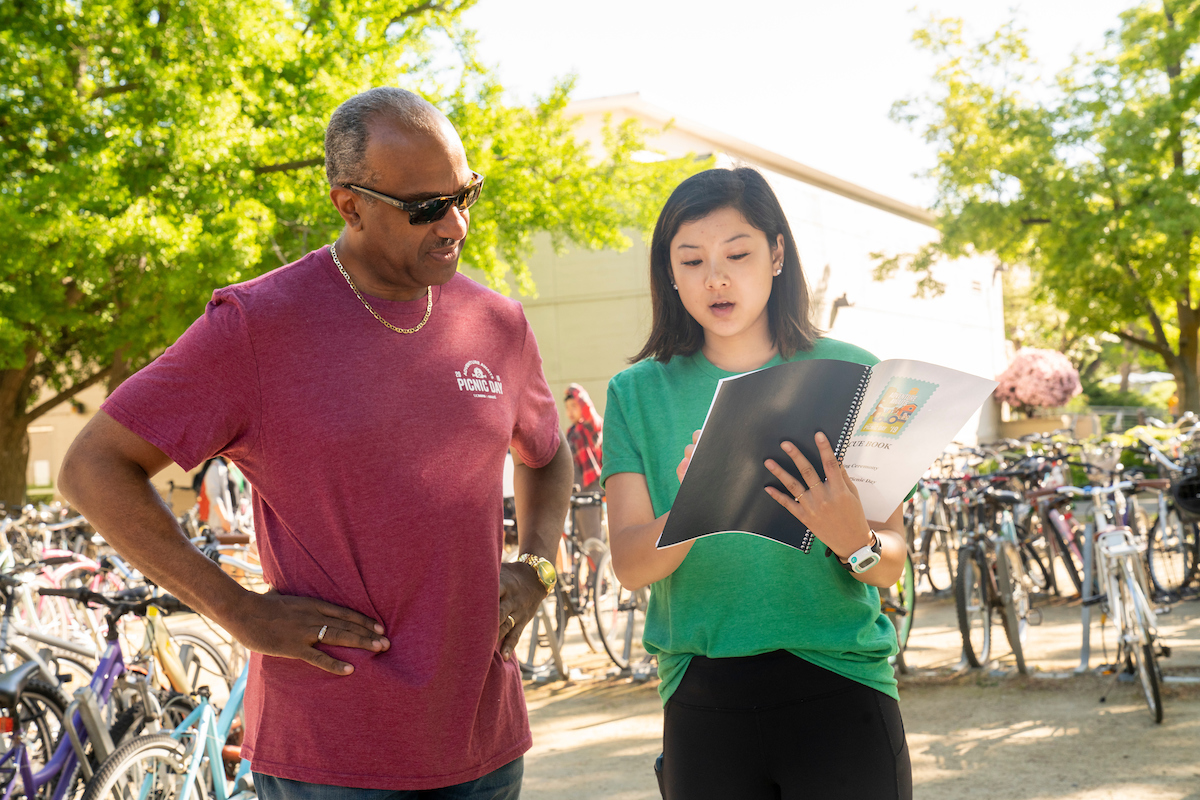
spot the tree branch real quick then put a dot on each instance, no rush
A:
(108, 91)
(1160, 334)
(1165, 352)
(428, 5)
(320, 11)
(65, 395)
(1163, 344)
(287, 166)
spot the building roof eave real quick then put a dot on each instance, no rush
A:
(738, 148)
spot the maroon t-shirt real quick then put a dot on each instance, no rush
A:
(376, 461)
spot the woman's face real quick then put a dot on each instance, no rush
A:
(723, 268)
(572, 409)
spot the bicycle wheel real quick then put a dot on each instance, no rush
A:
(39, 719)
(1140, 640)
(620, 614)
(1151, 678)
(1015, 600)
(536, 656)
(1036, 568)
(974, 606)
(1072, 558)
(904, 596)
(152, 767)
(131, 721)
(203, 662)
(1171, 552)
(587, 577)
(938, 551)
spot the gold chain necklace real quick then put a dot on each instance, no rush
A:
(358, 294)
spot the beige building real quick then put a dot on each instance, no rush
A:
(51, 434)
(592, 310)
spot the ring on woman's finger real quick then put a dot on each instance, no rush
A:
(321, 634)
(796, 497)
(512, 623)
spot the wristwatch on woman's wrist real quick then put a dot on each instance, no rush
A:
(864, 557)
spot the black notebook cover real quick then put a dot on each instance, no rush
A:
(749, 419)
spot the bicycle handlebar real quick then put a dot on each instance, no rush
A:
(1093, 491)
(582, 499)
(54, 561)
(123, 601)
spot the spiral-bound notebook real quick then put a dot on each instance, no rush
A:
(887, 424)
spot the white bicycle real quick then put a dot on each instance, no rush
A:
(1120, 588)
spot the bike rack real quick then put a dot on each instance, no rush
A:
(543, 617)
(89, 711)
(1087, 590)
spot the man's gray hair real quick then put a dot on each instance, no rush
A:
(346, 136)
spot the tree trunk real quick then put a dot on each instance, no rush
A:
(14, 461)
(16, 385)
(1187, 385)
(119, 371)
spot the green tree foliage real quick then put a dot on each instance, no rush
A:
(1091, 181)
(152, 150)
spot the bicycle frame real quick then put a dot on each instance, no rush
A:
(1118, 548)
(212, 731)
(1095, 567)
(69, 752)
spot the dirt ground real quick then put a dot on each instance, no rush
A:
(984, 733)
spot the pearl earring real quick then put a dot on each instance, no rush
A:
(779, 270)
(673, 286)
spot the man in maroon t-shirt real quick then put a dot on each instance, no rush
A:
(370, 393)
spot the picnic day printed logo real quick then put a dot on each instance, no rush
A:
(477, 379)
(898, 403)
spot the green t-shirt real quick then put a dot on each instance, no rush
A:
(737, 594)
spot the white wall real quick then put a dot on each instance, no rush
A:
(836, 235)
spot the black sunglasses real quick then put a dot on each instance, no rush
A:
(422, 212)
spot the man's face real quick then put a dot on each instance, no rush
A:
(411, 166)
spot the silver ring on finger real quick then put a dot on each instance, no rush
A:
(321, 634)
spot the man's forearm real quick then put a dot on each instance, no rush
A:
(118, 500)
(543, 497)
(106, 475)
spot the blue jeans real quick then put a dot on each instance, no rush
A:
(500, 784)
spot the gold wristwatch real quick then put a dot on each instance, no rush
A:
(544, 569)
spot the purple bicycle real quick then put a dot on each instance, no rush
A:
(31, 712)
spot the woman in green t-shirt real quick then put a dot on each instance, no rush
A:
(773, 662)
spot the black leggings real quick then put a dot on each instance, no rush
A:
(776, 727)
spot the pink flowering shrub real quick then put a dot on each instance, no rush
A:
(1038, 379)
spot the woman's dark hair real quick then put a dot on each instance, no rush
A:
(673, 331)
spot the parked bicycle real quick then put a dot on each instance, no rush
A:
(195, 760)
(1118, 583)
(86, 720)
(992, 577)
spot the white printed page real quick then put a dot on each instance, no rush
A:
(910, 412)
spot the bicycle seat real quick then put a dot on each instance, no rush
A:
(1005, 497)
(13, 682)
(1119, 550)
(1119, 542)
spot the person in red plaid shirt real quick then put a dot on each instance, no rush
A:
(585, 437)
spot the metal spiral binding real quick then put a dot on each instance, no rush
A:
(848, 425)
